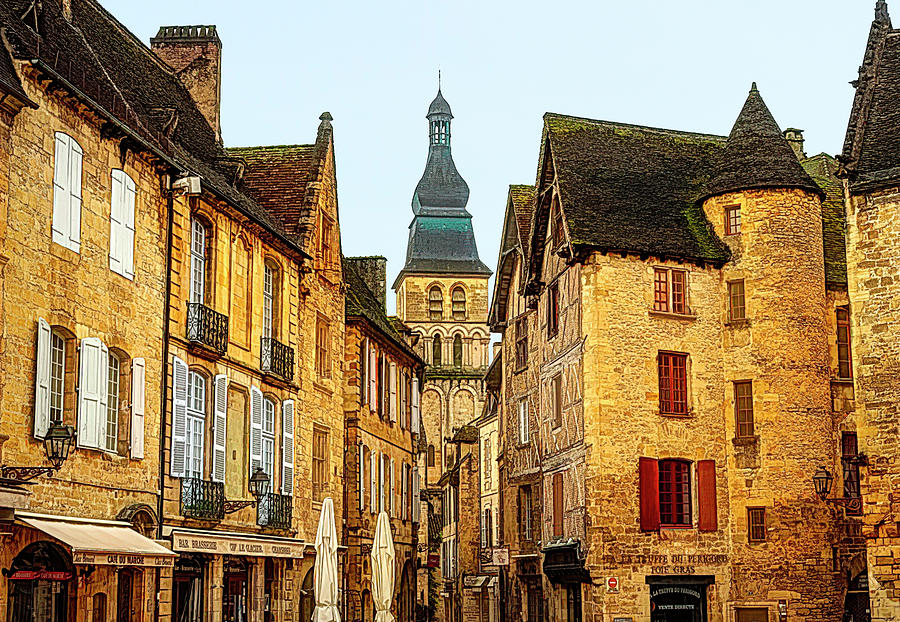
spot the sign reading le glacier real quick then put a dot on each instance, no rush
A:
(227, 545)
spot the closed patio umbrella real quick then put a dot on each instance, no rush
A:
(383, 569)
(325, 569)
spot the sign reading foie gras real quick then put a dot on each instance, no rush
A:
(229, 545)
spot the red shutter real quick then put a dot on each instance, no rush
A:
(649, 492)
(706, 488)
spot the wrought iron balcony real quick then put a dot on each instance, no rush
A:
(277, 358)
(202, 499)
(207, 327)
(274, 510)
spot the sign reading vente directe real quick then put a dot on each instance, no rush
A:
(193, 543)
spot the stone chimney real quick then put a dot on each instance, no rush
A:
(195, 53)
(795, 140)
(373, 271)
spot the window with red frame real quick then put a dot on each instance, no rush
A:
(670, 290)
(845, 369)
(732, 220)
(743, 408)
(552, 310)
(673, 383)
(674, 493)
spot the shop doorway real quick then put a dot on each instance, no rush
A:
(129, 598)
(856, 603)
(751, 614)
(234, 596)
(188, 580)
(40, 584)
(677, 602)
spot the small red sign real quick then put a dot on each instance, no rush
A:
(434, 561)
(612, 584)
(45, 575)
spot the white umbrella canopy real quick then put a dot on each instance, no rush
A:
(383, 569)
(325, 569)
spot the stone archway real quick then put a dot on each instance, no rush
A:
(856, 601)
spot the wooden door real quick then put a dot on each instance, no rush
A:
(758, 614)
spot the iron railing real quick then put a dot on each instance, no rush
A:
(207, 327)
(275, 511)
(202, 499)
(277, 358)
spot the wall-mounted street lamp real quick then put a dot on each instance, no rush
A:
(822, 480)
(259, 486)
(57, 444)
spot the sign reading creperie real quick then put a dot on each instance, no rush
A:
(194, 543)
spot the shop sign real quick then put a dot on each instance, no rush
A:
(434, 560)
(124, 559)
(223, 545)
(612, 584)
(40, 575)
(623, 619)
(500, 556)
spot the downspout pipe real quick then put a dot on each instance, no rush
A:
(164, 374)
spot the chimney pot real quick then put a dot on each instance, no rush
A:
(795, 140)
(373, 271)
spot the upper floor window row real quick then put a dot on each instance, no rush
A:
(67, 203)
(390, 389)
(436, 303)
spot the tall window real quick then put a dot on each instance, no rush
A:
(557, 232)
(845, 370)
(737, 310)
(198, 261)
(521, 342)
(268, 441)
(558, 504)
(436, 351)
(435, 304)
(524, 426)
(552, 310)
(487, 529)
(535, 602)
(673, 383)
(756, 524)
(327, 241)
(674, 493)
(458, 298)
(850, 464)
(323, 364)
(556, 400)
(670, 290)
(743, 408)
(195, 424)
(457, 350)
(111, 439)
(268, 300)
(525, 505)
(430, 456)
(57, 375)
(319, 463)
(732, 220)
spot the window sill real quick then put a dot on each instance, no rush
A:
(676, 526)
(738, 323)
(520, 369)
(523, 445)
(322, 387)
(842, 381)
(687, 415)
(687, 317)
(745, 441)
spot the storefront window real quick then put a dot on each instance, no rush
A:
(677, 602)
(234, 596)
(39, 583)
(188, 603)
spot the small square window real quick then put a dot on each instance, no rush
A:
(756, 524)
(732, 220)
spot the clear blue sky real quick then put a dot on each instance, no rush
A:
(684, 65)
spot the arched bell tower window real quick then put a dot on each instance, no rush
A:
(457, 350)
(459, 303)
(436, 351)
(435, 304)
(440, 132)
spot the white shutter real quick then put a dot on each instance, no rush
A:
(392, 489)
(220, 423)
(129, 227)
(382, 467)
(403, 398)
(393, 382)
(92, 392)
(415, 406)
(373, 379)
(415, 499)
(42, 380)
(403, 491)
(61, 198)
(179, 416)
(121, 224)
(287, 447)
(256, 416)
(362, 476)
(75, 156)
(373, 476)
(138, 397)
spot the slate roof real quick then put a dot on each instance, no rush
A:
(634, 188)
(276, 177)
(523, 197)
(9, 80)
(466, 434)
(757, 155)
(823, 168)
(439, 105)
(119, 77)
(361, 302)
(872, 146)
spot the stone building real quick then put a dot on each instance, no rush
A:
(180, 305)
(674, 330)
(869, 171)
(442, 298)
(381, 411)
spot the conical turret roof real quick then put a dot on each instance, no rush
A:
(439, 106)
(757, 155)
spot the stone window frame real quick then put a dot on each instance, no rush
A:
(458, 306)
(323, 347)
(435, 303)
(734, 296)
(671, 291)
(843, 340)
(320, 439)
(732, 219)
(682, 510)
(744, 418)
(756, 524)
(205, 220)
(667, 407)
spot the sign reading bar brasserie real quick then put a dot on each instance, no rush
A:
(124, 559)
(230, 545)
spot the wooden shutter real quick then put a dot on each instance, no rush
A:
(42, 380)
(402, 389)
(415, 499)
(403, 491)
(373, 476)
(649, 493)
(364, 372)
(256, 417)
(75, 157)
(138, 399)
(393, 491)
(287, 447)
(706, 494)
(559, 507)
(92, 392)
(362, 476)
(121, 224)
(373, 379)
(179, 416)
(415, 405)
(220, 421)
(381, 483)
(392, 380)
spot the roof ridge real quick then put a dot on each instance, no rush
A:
(127, 31)
(286, 146)
(651, 128)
